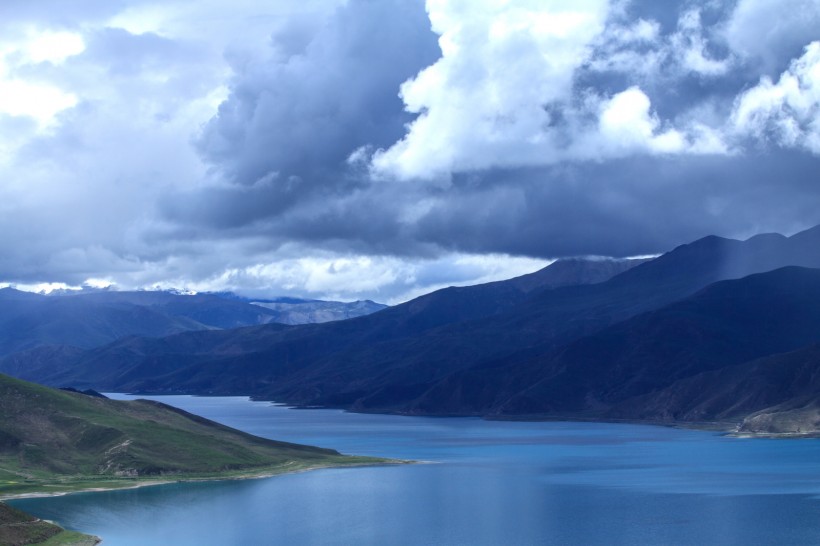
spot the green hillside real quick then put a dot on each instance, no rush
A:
(52, 440)
(18, 528)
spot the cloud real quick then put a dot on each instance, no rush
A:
(80, 178)
(380, 148)
(772, 32)
(298, 114)
(692, 47)
(349, 276)
(516, 87)
(33, 97)
(626, 123)
(786, 112)
(483, 102)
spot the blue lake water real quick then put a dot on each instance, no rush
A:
(488, 483)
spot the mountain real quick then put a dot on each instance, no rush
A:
(776, 393)
(86, 320)
(603, 375)
(54, 440)
(29, 320)
(545, 345)
(92, 318)
(574, 272)
(207, 310)
(315, 312)
(203, 358)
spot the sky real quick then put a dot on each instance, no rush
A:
(352, 149)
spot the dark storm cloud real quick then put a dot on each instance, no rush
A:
(629, 207)
(303, 114)
(284, 136)
(366, 220)
(625, 207)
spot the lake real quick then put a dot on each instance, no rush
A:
(487, 483)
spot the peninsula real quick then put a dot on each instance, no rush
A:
(54, 441)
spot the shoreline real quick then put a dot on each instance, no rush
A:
(181, 479)
(726, 428)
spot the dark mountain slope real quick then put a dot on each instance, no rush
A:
(574, 272)
(39, 363)
(459, 304)
(390, 376)
(677, 274)
(774, 385)
(728, 323)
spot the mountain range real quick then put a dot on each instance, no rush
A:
(92, 318)
(661, 340)
(138, 358)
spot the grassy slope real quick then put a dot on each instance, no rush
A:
(53, 441)
(18, 528)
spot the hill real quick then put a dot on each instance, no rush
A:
(54, 440)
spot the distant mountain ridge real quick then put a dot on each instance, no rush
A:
(92, 318)
(316, 312)
(29, 320)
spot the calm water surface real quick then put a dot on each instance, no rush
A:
(493, 483)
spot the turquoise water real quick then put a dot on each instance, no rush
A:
(486, 483)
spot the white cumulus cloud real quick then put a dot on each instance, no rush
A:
(788, 111)
(506, 93)
(482, 103)
(626, 123)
